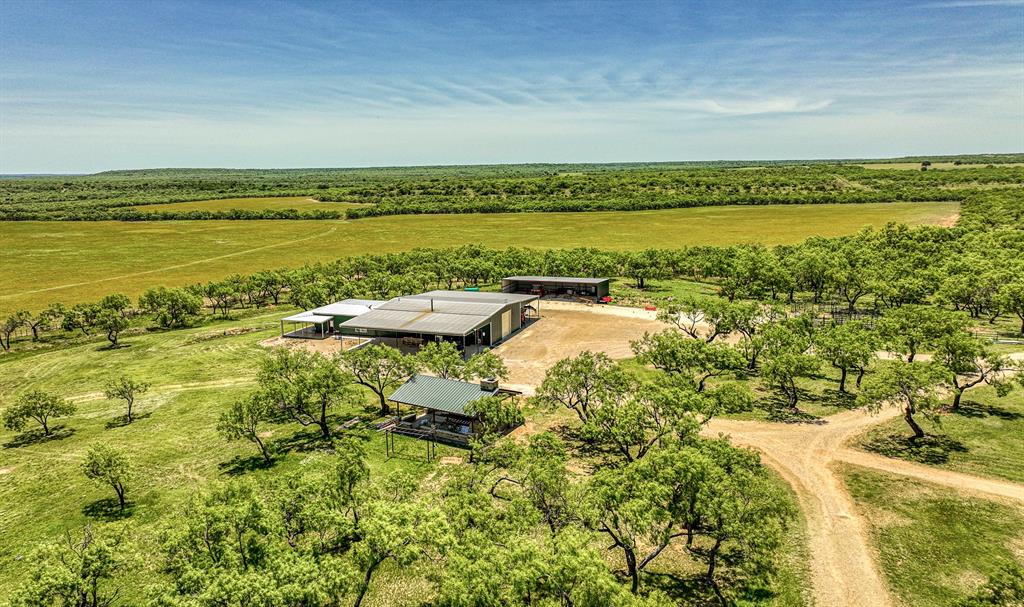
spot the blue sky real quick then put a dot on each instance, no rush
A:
(88, 86)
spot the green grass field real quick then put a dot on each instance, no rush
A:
(936, 546)
(986, 437)
(299, 203)
(195, 374)
(70, 262)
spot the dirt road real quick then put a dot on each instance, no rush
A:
(842, 561)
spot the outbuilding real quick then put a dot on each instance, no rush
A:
(306, 325)
(321, 322)
(542, 286)
(346, 309)
(471, 319)
(440, 408)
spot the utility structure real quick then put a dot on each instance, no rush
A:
(437, 410)
(557, 286)
(472, 320)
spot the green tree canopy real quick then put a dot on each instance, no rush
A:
(911, 386)
(37, 406)
(380, 368)
(108, 465)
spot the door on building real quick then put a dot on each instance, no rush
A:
(485, 335)
(506, 323)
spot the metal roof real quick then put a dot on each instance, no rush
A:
(453, 313)
(475, 296)
(307, 317)
(560, 279)
(415, 304)
(410, 321)
(348, 307)
(439, 394)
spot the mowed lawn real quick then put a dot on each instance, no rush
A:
(45, 262)
(299, 203)
(986, 437)
(936, 546)
(174, 446)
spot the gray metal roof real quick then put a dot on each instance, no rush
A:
(449, 395)
(437, 323)
(475, 296)
(416, 304)
(453, 313)
(560, 279)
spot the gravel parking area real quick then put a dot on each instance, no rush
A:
(566, 329)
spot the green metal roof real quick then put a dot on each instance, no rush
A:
(439, 394)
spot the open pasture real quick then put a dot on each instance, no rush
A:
(81, 261)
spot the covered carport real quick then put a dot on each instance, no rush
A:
(548, 286)
(306, 325)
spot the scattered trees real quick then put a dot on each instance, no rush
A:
(243, 419)
(45, 320)
(229, 542)
(109, 466)
(171, 307)
(1010, 298)
(968, 363)
(81, 317)
(380, 368)
(127, 389)
(715, 496)
(787, 360)
(579, 383)
(697, 360)
(443, 359)
(75, 571)
(496, 413)
(908, 330)
(11, 324)
(486, 365)
(911, 386)
(305, 386)
(401, 531)
(37, 406)
(847, 347)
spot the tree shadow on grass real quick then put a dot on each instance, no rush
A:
(779, 411)
(693, 590)
(837, 400)
(970, 408)
(301, 441)
(36, 437)
(122, 420)
(109, 347)
(596, 455)
(932, 449)
(108, 509)
(239, 465)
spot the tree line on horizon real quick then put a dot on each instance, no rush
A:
(484, 190)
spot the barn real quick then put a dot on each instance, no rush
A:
(472, 320)
(541, 286)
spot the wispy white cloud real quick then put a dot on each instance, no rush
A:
(607, 82)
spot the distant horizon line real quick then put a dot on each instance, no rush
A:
(741, 161)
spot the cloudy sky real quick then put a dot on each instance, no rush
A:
(88, 86)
